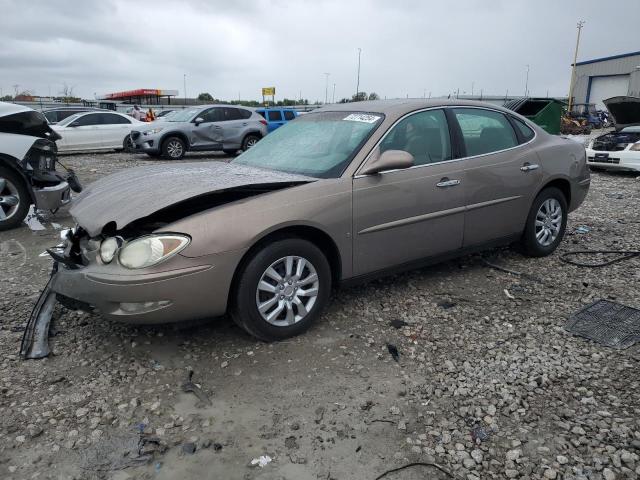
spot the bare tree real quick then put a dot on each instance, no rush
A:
(67, 90)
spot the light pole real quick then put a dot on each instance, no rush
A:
(526, 84)
(358, 80)
(184, 79)
(472, 85)
(333, 98)
(326, 87)
(573, 69)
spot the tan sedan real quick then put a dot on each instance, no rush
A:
(341, 194)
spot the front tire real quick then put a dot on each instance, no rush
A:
(282, 289)
(173, 148)
(546, 223)
(249, 141)
(127, 144)
(14, 199)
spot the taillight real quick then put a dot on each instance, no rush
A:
(264, 122)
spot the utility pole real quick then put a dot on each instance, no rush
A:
(184, 78)
(326, 87)
(573, 69)
(358, 81)
(333, 98)
(526, 84)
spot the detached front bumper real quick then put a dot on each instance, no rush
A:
(198, 288)
(50, 198)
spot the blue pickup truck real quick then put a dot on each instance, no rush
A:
(277, 117)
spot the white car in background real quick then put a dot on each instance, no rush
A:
(616, 150)
(96, 131)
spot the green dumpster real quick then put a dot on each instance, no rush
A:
(545, 112)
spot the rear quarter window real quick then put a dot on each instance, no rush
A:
(275, 116)
(526, 132)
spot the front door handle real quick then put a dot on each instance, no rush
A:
(445, 182)
(529, 166)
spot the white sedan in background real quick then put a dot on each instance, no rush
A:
(96, 131)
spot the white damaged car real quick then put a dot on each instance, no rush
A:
(28, 158)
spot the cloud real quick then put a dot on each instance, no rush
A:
(234, 48)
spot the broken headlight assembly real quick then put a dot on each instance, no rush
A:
(42, 156)
(149, 250)
(109, 247)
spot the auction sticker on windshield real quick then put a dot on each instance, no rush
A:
(362, 117)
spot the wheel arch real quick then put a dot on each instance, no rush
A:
(176, 133)
(312, 234)
(561, 183)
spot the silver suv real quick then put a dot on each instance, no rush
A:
(205, 128)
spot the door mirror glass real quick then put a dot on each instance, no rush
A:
(74, 124)
(198, 121)
(389, 160)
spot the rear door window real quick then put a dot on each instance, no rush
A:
(112, 119)
(485, 131)
(289, 115)
(275, 115)
(89, 120)
(425, 135)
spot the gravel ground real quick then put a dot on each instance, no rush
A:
(488, 384)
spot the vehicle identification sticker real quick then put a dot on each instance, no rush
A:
(362, 117)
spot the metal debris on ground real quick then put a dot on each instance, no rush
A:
(608, 323)
(583, 229)
(35, 341)
(261, 461)
(393, 350)
(398, 323)
(189, 387)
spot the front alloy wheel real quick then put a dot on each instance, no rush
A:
(287, 291)
(173, 148)
(281, 289)
(14, 199)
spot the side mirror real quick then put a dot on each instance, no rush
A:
(389, 160)
(74, 124)
(198, 121)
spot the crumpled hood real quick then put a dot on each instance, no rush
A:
(135, 193)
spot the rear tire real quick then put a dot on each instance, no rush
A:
(173, 148)
(281, 290)
(249, 141)
(12, 189)
(546, 223)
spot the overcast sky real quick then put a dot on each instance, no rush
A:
(231, 48)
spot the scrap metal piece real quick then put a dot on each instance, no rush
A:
(608, 323)
(35, 341)
(189, 387)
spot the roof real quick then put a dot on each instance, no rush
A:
(401, 106)
(11, 108)
(604, 59)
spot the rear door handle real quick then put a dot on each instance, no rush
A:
(528, 167)
(445, 182)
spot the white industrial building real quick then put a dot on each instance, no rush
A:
(607, 77)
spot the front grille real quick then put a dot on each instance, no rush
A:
(609, 147)
(603, 160)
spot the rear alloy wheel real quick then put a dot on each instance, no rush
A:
(173, 148)
(546, 223)
(249, 141)
(14, 199)
(282, 289)
(127, 144)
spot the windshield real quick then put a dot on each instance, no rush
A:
(182, 115)
(318, 145)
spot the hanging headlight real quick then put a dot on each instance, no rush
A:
(151, 250)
